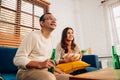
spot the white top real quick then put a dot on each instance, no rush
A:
(60, 52)
(34, 47)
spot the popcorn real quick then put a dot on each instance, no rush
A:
(76, 56)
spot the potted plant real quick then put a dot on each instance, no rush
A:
(83, 51)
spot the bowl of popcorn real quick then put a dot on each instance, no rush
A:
(76, 56)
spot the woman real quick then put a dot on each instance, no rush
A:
(67, 48)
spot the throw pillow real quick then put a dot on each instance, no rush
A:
(72, 66)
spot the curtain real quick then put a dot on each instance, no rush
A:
(109, 6)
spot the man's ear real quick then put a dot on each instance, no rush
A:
(41, 23)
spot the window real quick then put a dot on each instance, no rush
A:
(116, 12)
(112, 8)
(18, 17)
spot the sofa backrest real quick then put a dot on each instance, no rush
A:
(93, 60)
(6, 60)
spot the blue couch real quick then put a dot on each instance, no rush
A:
(8, 70)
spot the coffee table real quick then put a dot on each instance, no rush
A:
(102, 74)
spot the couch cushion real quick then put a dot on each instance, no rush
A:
(6, 60)
(9, 76)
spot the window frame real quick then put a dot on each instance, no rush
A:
(17, 26)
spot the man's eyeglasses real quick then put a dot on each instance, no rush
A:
(50, 18)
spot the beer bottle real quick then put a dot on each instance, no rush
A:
(52, 58)
(116, 63)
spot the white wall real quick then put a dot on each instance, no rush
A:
(64, 12)
(88, 21)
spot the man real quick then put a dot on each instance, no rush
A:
(33, 55)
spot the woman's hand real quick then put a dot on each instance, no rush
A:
(80, 55)
(69, 57)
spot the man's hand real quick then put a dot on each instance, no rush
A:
(39, 65)
(47, 64)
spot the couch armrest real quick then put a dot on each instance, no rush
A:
(92, 60)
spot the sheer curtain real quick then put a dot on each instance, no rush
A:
(109, 5)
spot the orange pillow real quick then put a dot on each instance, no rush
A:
(72, 66)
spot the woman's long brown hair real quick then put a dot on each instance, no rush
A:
(64, 38)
